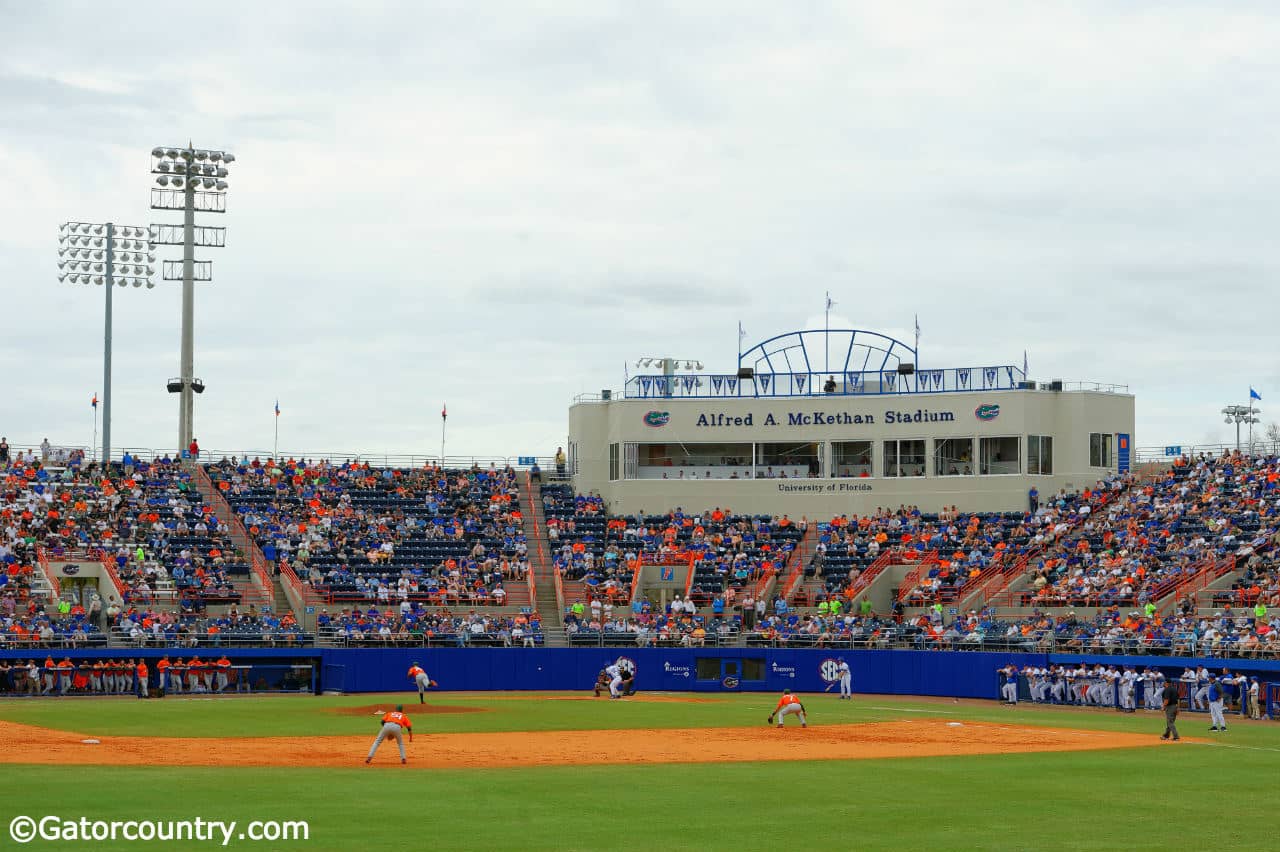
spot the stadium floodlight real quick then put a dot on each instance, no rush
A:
(191, 180)
(1238, 414)
(112, 264)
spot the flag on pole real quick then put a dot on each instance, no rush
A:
(1253, 394)
(830, 303)
(444, 411)
(277, 408)
(1024, 363)
(742, 332)
(94, 402)
(917, 331)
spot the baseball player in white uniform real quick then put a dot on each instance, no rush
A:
(846, 679)
(614, 671)
(1200, 697)
(1059, 687)
(1009, 689)
(1128, 686)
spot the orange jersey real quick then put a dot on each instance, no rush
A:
(785, 700)
(414, 671)
(398, 718)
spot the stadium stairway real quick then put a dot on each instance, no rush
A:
(265, 592)
(547, 604)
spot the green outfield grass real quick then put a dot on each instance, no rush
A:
(1130, 798)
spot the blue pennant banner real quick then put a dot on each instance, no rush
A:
(800, 379)
(764, 382)
(715, 384)
(989, 376)
(962, 377)
(888, 379)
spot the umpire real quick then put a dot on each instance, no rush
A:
(1170, 699)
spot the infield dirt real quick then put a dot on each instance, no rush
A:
(26, 744)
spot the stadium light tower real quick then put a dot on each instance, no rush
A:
(193, 180)
(110, 256)
(1238, 414)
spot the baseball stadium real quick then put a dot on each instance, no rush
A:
(594, 632)
(834, 587)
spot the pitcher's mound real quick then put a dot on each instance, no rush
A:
(410, 708)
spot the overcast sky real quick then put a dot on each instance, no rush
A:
(497, 206)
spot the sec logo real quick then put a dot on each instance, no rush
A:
(627, 665)
(829, 670)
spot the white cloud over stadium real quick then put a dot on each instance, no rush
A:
(500, 208)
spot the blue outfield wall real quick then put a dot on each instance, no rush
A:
(961, 674)
(969, 675)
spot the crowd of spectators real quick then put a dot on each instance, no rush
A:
(679, 623)
(411, 624)
(384, 535)
(146, 517)
(1150, 536)
(729, 552)
(164, 628)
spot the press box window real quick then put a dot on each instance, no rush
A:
(1100, 449)
(1040, 455)
(708, 668)
(953, 457)
(904, 458)
(853, 458)
(998, 456)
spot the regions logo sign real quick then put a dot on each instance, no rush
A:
(676, 671)
(657, 418)
(987, 411)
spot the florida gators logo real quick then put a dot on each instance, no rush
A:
(987, 411)
(657, 418)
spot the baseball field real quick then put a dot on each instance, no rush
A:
(567, 771)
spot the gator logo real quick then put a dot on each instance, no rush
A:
(657, 418)
(730, 682)
(70, 570)
(987, 411)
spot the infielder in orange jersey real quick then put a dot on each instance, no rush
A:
(787, 705)
(394, 724)
(419, 677)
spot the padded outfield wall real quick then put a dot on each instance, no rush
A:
(961, 674)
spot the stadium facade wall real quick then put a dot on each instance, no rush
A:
(622, 430)
(893, 672)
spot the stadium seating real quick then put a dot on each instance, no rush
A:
(145, 518)
(410, 624)
(728, 551)
(363, 534)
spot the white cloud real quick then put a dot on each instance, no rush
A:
(499, 207)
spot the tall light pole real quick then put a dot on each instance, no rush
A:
(1238, 414)
(108, 255)
(191, 180)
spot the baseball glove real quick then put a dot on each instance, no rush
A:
(770, 719)
(432, 683)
